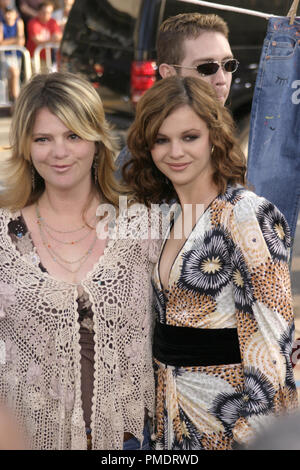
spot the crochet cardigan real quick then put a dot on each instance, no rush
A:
(40, 376)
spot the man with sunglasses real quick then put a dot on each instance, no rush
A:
(196, 45)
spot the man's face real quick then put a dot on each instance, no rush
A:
(45, 13)
(209, 46)
(10, 17)
(68, 4)
(4, 3)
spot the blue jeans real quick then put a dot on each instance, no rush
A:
(131, 444)
(274, 141)
(134, 444)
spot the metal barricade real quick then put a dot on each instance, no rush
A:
(50, 48)
(4, 98)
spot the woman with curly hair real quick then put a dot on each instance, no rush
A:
(224, 319)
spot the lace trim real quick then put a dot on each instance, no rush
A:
(43, 357)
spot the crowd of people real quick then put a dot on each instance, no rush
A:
(29, 23)
(118, 336)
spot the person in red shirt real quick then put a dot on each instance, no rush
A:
(42, 29)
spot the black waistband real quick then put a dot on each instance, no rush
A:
(184, 347)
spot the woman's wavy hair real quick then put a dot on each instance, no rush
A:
(146, 182)
(73, 100)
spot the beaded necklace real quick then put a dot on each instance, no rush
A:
(57, 258)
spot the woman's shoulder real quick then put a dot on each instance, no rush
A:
(255, 217)
(244, 206)
(140, 226)
(7, 214)
(235, 194)
(245, 200)
(248, 202)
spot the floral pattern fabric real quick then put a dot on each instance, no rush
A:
(232, 272)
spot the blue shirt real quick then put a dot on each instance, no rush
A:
(10, 32)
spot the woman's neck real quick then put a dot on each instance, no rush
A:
(201, 195)
(69, 206)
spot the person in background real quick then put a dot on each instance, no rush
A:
(224, 311)
(193, 44)
(28, 9)
(75, 302)
(42, 30)
(12, 33)
(5, 4)
(61, 15)
(196, 45)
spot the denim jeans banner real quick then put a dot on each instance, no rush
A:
(274, 141)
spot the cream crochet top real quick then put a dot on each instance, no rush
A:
(40, 376)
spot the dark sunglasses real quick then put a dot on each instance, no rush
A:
(210, 68)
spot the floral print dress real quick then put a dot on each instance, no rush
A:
(232, 272)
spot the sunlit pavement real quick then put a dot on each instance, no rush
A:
(295, 270)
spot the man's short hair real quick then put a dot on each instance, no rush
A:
(174, 30)
(45, 4)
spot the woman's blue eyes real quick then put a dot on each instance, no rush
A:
(74, 136)
(45, 139)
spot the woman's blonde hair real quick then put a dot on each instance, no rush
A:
(73, 100)
(146, 182)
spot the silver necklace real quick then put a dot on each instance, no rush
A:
(73, 242)
(59, 259)
(40, 218)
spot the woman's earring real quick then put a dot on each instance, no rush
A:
(32, 178)
(95, 168)
(212, 150)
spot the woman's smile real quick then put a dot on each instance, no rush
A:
(178, 166)
(61, 168)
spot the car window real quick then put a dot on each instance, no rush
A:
(110, 23)
(99, 40)
(131, 7)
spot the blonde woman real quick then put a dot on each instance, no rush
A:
(75, 307)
